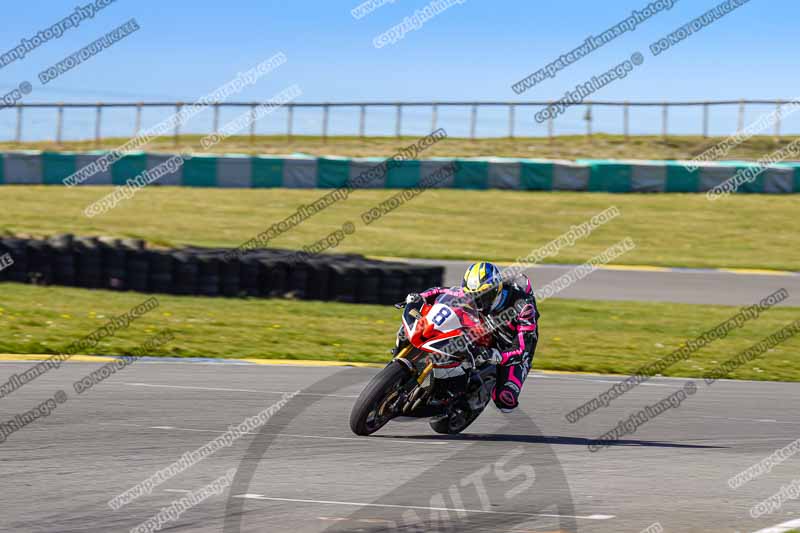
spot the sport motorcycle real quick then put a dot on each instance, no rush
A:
(438, 373)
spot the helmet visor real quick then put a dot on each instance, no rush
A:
(484, 299)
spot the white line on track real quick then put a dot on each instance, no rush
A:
(372, 440)
(781, 528)
(182, 491)
(219, 389)
(772, 420)
(662, 379)
(598, 380)
(386, 505)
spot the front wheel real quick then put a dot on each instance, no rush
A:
(371, 412)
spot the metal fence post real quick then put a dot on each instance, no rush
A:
(398, 122)
(177, 137)
(362, 120)
(626, 119)
(740, 127)
(252, 124)
(18, 136)
(511, 121)
(216, 117)
(325, 111)
(664, 120)
(434, 116)
(550, 125)
(97, 124)
(705, 120)
(59, 124)
(138, 126)
(588, 118)
(289, 121)
(473, 119)
(778, 120)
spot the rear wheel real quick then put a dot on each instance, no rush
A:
(454, 424)
(457, 422)
(373, 408)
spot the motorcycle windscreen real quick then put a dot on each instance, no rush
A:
(411, 314)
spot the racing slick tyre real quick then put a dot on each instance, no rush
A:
(453, 424)
(369, 412)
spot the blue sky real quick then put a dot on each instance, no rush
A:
(472, 51)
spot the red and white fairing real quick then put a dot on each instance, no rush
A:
(432, 327)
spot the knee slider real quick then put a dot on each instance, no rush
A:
(505, 400)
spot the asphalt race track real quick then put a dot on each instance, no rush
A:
(304, 471)
(691, 286)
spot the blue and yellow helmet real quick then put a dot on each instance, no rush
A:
(483, 282)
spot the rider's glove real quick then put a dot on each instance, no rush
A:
(488, 355)
(413, 298)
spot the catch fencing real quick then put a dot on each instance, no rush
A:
(471, 113)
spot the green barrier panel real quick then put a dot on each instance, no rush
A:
(403, 174)
(679, 179)
(755, 186)
(266, 172)
(471, 175)
(57, 166)
(536, 176)
(609, 177)
(200, 171)
(128, 167)
(332, 173)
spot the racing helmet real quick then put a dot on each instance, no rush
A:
(483, 283)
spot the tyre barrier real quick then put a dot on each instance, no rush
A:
(128, 264)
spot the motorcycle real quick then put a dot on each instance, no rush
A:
(435, 375)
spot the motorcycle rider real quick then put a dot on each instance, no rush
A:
(509, 309)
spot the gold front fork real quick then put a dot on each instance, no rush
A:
(403, 352)
(425, 371)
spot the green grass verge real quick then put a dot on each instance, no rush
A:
(607, 337)
(599, 146)
(746, 231)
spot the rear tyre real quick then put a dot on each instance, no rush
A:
(368, 414)
(454, 424)
(451, 425)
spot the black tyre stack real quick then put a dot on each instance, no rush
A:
(115, 259)
(88, 263)
(185, 272)
(127, 264)
(64, 260)
(40, 257)
(18, 252)
(160, 272)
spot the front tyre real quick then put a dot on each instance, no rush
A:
(371, 410)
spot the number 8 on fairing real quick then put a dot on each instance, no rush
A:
(441, 316)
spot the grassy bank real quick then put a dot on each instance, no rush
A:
(746, 231)
(600, 146)
(612, 337)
